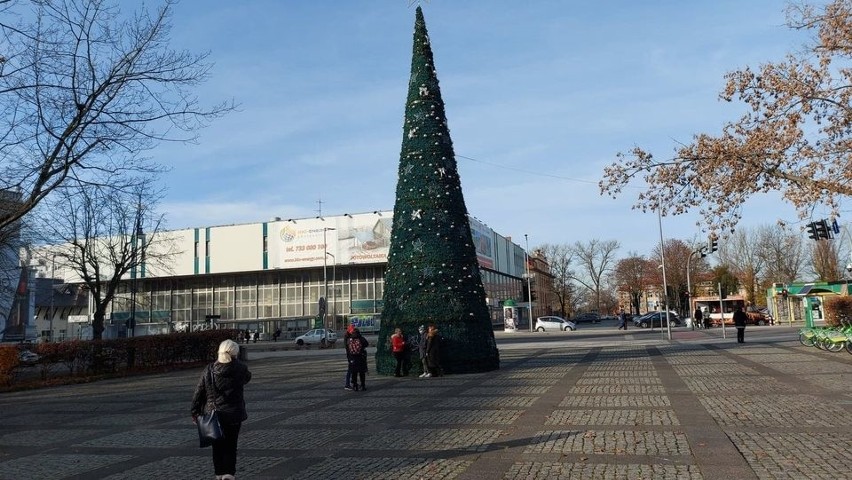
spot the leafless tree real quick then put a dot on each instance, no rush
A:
(784, 253)
(107, 236)
(742, 252)
(85, 89)
(559, 258)
(825, 261)
(794, 136)
(595, 259)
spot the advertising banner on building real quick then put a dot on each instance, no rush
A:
(483, 240)
(350, 239)
(358, 239)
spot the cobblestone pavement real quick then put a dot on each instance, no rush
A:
(604, 405)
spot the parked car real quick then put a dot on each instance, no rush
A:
(317, 335)
(28, 358)
(550, 323)
(656, 319)
(588, 317)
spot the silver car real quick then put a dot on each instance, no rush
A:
(552, 323)
(318, 335)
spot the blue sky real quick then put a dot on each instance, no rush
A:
(540, 96)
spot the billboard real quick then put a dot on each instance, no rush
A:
(356, 239)
(483, 241)
(351, 239)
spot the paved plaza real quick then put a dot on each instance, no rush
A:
(596, 403)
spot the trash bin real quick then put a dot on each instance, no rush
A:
(243, 356)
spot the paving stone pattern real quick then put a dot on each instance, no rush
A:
(692, 410)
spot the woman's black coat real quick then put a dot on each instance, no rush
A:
(227, 395)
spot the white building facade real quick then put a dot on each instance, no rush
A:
(269, 275)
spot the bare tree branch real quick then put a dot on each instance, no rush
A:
(85, 90)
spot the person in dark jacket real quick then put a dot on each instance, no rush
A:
(433, 352)
(356, 354)
(226, 396)
(349, 331)
(698, 317)
(740, 319)
(421, 347)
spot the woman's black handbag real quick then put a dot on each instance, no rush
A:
(209, 428)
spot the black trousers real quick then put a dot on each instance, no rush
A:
(400, 360)
(740, 334)
(225, 450)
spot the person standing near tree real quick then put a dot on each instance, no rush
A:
(346, 336)
(398, 350)
(433, 352)
(740, 319)
(421, 347)
(221, 388)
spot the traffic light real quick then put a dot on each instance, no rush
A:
(823, 230)
(820, 229)
(713, 245)
(812, 231)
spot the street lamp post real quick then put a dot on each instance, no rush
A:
(334, 290)
(325, 274)
(52, 293)
(134, 274)
(529, 279)
(701, 250)
(663, 266)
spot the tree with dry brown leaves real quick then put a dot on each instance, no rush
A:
(632, 275)
(825, 261)
(794, 138)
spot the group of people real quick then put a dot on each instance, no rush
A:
(699, 319)
(248, 335)
(428, 347)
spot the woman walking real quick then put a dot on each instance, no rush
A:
(398, 350)
(433, 352)
(225, 395)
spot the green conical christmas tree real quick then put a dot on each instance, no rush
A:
(432, 273)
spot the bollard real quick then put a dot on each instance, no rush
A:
(243, 356)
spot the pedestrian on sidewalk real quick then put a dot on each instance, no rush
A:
(346, 336)
(225, 394)
(398, 350)
(622, 320)
(421, 347)
(356, 351)
(433, 352)
(740, 319)
(698, 317)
